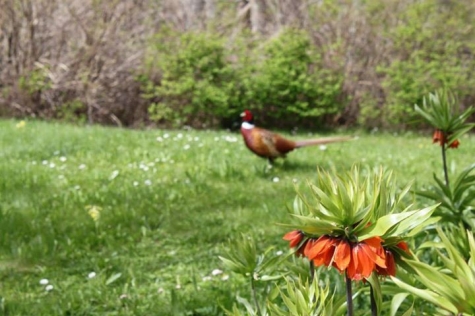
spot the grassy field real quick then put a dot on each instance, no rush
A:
(103, 221)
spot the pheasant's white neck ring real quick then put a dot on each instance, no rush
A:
(247, 125)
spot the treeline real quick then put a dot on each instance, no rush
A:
(200, 62)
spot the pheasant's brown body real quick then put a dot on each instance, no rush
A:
(267, 144)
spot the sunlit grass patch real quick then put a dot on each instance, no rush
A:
(150, 211)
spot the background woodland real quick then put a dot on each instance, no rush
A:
(172, 63)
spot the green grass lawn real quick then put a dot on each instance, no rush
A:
(125, 222)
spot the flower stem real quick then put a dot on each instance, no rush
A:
(312, 271)
(349, 296)
(254, 296)
(374, 309)
(444, 163)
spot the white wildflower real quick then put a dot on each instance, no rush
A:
(49, 287)
(276, 179)
(148, 182)
(44, 281)
(91, 275)
(216, 272)
(114, 174)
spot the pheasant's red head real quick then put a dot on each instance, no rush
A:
(247, 116)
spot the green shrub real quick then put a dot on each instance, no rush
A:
(35, 81)
(195, 78)
(204, 79)
(429, 45)
(291, 78)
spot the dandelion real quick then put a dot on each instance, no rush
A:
(21, 124)
(44, 281)
(94, 211)
(49, 287)
(91, 275)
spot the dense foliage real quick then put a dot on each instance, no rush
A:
(137, 62)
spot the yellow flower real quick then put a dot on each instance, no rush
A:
(94, 211)
(21, 124)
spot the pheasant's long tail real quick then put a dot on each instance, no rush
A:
(321, 141)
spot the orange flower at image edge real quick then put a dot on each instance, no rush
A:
(438, 137)
(358, 259)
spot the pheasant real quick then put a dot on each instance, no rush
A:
(267, 144)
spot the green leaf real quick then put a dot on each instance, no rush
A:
(113, 278)
(377, 293)
(396, 302)
(427, 295)
(402, 222)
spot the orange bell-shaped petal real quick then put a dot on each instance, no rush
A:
(342, 255)
(320, 247)
(361, 266)
(438, 137)
(374, 242)
(295, 237)
(454, 144)
(390, 265)
(403, 245)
